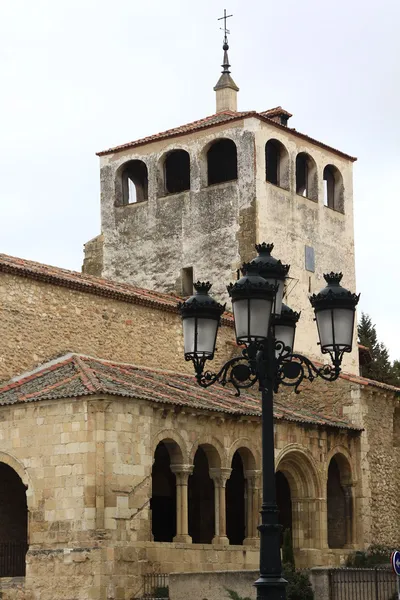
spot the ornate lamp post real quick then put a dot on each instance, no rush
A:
(265, 327)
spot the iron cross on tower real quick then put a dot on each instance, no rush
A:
(225, 30)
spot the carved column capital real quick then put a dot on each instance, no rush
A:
(220, 476)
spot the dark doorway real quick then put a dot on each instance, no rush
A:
(163, 499)
(284, 502)
(339, 510)
(222, 162)
(201, 501)
(13, 523)
(235, 506)
(177, 172)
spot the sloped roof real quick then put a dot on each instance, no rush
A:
(219, 119)
(76, 375)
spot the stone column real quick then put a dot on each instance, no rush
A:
(252, 514)
(182, 473)
(220, 477)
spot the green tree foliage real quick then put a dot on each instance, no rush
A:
(287, 548)
(380, 367)
(299, 585)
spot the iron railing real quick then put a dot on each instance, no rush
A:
(12, 559)
(155, 586)
(362, 584)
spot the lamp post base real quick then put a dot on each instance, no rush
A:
(271, 588)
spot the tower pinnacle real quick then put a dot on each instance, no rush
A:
(226, 89)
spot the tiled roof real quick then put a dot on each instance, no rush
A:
(75, 375)
(221, 118)
(92, 285)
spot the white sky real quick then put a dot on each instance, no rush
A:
(78, 76)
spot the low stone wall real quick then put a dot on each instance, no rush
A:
(212, 585)
(13, 588)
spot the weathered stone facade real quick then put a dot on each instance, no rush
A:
(212, 229)
(87, 461)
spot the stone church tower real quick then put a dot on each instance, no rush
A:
(191, 202)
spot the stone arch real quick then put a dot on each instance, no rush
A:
(277, 163)
(214, 450)
(13, 518)
(176, 171)
(301, 473)
(333, 188)
(250, 455)
(221, 160)
(340, 499)
(163, 490)
(175, 443)
(241, 509)
(306, 176)
(19, 468)
(131, 182)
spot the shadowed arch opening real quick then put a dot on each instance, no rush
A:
(339, 502)
(163, 496)
(221, 162)
(333, 188)
(235, 502)
(240, 496)
(277, 164)
(13, 523)
(304, 487)
(177, 171)
(306, 176)
(284, 502)
(132, 183)
(201, 500)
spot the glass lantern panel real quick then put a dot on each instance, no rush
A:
(285, 334)
(277, 308)
(206, 334)
(325, 330)
(189, 326)
(344, 325)
(241, 316)
(260, 313)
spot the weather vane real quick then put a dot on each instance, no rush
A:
(224, 29)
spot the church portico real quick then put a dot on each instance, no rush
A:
(130, 485)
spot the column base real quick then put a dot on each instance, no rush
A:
(182, 539)
(251, 541)
(220, 540)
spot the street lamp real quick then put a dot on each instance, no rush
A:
(265, 327)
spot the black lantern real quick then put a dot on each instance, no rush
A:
(334, 309)
(273, 271)
(201, 315)
(252, 301)
(285, 326)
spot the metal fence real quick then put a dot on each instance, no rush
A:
(155, 586)
(12, 559)
(362, 584)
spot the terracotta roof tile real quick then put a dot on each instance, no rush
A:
(75, 375)
(218, 119)
(92, 285)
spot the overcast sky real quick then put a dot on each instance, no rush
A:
(78, 76)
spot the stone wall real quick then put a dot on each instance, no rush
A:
(209, 228)
(93, 260)
(41, 320)
(212, 586)
(293, 222)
